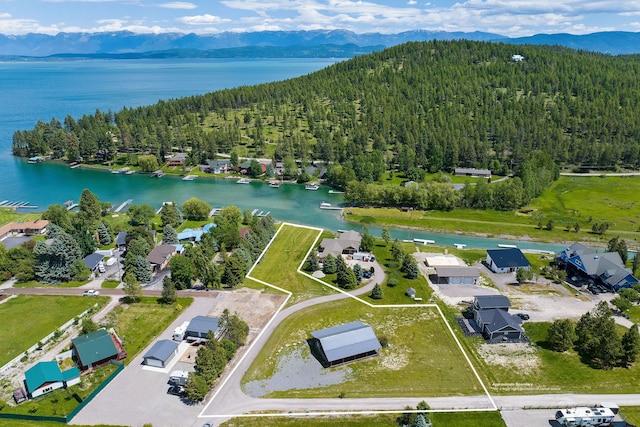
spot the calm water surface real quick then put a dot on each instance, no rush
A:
(33, 91)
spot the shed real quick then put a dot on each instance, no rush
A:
(344, 343)
(506, 260)
(461, 275)
(161, 353)
(95, 348)
(45, 377)
(121, 240)
(200, 326)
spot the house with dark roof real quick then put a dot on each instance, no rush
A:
(177, 159)
(160, 256)
(603, 268)
(92, 261)
(506, 260)
(491, 313)
(44, 377)
(121, 241)
(200, 326)
(472, 172)
(345, 343)
(161, 353)
(96, 349)
(347, 243)
(457, 275)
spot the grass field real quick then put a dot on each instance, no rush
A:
(34, 284)
(484, 419)
(7, 215)
(631, 414)
(542, 370)
(279, 265)
(53, 312)
(62, 401)
(421, 359)
(611, 199)
(139, 323)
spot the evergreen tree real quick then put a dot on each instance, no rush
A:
(89, 206)
(597, 339)
(104, 235)
(410, 267)
(329, 265)
(346, 277)
(141, 268)
(169, 293)
(357, 271)
(235, 329)
(616, 244)
(196, 388)
(367, 243)
(313, 264)
(170, 215)
(630, 346)
(561, 335)
(169, 235)
(376, 293)
(233, 272)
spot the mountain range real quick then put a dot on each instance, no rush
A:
(319, 43)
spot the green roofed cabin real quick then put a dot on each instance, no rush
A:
(97, 349)
(44, 377)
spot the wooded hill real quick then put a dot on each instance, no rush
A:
(433, 105)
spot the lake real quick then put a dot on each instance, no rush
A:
(34, 91)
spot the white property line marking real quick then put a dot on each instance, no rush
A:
(329, 413)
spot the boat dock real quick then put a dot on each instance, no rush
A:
(157, 174)
(424, 241)
(327, 206)
(16, 205)
(255, 212)
(122, 206)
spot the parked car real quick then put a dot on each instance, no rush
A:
(523, 316)
(366, 274)
(91, 293)
(176, 390)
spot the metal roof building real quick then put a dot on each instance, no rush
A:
(506, 260)
(200, 326)
(347, 342)
(161, 353)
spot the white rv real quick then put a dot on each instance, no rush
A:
(178, 333)
(578, 417)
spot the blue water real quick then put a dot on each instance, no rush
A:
(33, 91)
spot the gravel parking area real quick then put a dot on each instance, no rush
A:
(148, 389)
(297, 370)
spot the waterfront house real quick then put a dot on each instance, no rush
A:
(347, 243)
(472, 172)
(217, 166)
(506, 260)
(160, 256)
(178, 159)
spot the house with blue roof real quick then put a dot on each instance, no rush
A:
(606, 268)
(44, 377)
(161, 353)
(506, 260)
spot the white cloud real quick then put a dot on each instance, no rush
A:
(178, 5)
(205, 19)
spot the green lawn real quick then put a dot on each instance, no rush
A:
(279, 265)
(421, 359)
(52, 312)
(631, 414)
(459, 419)
(62, 401)
(396, 294)
(8, 215)
(69, 284)
(139, 323)
(546, 371)
(611, 199)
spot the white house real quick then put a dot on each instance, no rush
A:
(506, 260)
(44, 377)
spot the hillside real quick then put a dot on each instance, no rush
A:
(429, 105)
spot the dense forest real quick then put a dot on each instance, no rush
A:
(429, 105)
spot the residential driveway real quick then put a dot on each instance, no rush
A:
(139, 395)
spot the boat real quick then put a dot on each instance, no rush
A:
(460, 245)
(335, 192)
(243, 181)
(189, 178)
(312, 186)
(325, 205)
(157, 174)
(507, 246)
(275, 184)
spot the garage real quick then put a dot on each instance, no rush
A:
(457, 275)
(161, 353)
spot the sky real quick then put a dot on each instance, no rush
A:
(513, 18)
